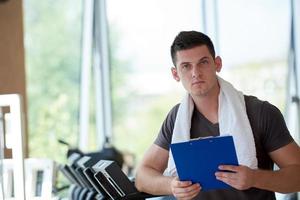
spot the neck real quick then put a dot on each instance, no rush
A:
(208, 105)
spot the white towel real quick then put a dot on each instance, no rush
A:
(233, 120)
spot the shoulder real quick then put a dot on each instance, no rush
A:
(253, 102)
(261, 109)
(171, 117)
(174, 110)
(164, 137)
(267, 123)
(172, 114)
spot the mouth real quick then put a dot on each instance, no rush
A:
(197, 82)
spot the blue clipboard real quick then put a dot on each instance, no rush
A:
(198, 160)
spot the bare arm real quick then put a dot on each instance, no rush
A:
(284, 180)
(150, 177)
(287, 178)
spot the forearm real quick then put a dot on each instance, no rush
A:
(285, 180)
(153, 182)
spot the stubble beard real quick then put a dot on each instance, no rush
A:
(204, 91)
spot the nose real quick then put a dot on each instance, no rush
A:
(196, 72)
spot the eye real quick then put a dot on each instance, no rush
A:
(185, 66)
(204, 62)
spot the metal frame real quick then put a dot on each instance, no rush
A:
(86, 61)
(102, 67)
(95, 56)
(292, 111)
(210, 12)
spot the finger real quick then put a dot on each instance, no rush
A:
(183, 183)
(228, 175)
(185, 190)
(188, 195)
(189, 192)
(192, 196)
(229, 168)
(178, 183)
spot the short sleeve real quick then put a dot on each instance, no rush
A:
(276, 133)
(164, 137)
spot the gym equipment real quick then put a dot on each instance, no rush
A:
(95, 179)
(115, 183)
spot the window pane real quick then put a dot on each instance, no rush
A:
(254, 46)
(251, 44)
(141, 33)
(52, 42)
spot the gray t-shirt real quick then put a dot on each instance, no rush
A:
(269, 130)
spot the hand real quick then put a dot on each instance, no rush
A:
(184, 190)
(239, 177)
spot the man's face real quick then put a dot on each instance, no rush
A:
(196, 69)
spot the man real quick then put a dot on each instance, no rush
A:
(196, 66)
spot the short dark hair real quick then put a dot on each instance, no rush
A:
(190, 39)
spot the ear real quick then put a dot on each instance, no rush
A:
(218, 63)
(175, 74)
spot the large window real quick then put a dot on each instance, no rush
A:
(52, 45)
(254, 50)
(143, 88)
(252, 37)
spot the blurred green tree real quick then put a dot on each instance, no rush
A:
(52, 45)
(53, 58)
